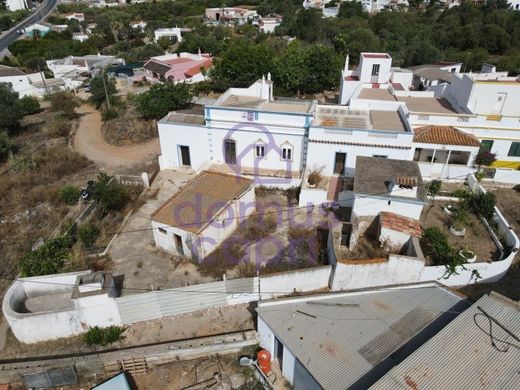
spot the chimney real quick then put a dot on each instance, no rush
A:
(269, 76)
(200, 54)
(347, 60)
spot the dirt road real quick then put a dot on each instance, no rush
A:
(89, 142)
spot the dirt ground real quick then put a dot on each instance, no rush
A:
(476, 239)
(508, 202)
(89, 141)
(184, 326)
(128, 128)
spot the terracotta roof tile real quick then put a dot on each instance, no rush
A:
(444, 135)
(201, 200)
(399, 223)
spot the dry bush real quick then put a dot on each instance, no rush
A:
(258, 225)
(365, 249)
(128, 128)
(315, 176)
(246, 269)
(222, 259)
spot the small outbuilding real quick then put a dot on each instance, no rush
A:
(196, 220)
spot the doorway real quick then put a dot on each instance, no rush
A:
(375, 73)
(230, 152)
(499, 104)
(339, 163)
(278, 350)
(178, 244)
(185, 156)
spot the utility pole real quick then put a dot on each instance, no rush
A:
(43, 79)
(105, 86)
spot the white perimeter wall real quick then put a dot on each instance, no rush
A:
(372, 206)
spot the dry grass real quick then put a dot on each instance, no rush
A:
(258, 225)
(128, 128)
(315, 176)
(366, 248)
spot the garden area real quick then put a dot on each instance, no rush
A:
(454, 233)
(276, 238)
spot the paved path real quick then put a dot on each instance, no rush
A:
(41, 13)
(89, 142)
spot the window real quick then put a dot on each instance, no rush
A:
(514, 150)
(453, 70)
(375, 70)
(260, 151)
(163, 231)
(486, 145)
(379, 156)
(286, 153)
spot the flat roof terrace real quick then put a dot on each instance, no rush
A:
(277, 105)
(428, 104)
(343, 117)
(376, 94)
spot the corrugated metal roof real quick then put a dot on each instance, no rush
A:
(461, 356)
(339, 338)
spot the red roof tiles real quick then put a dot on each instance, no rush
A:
(399, 223)
(444, 135)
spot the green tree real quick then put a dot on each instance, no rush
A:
(5, 146)
(10, 108)
(289, 72)
(88, 234)
(163, 98)
(322, 65)
(69, 194)
(349, 9)
(110, 195)
(97, 89)
(241, 64)
(64, 103)
(164, 42)
(47, 259)
(30, 105)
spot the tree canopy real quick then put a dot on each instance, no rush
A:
(163, 98)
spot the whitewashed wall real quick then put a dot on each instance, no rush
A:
(283, 283)
(373, 205)
(99, 310)
(395, 270)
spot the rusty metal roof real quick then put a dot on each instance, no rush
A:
(201, 200)
(340, 338)
(400, 223)
(461, 356)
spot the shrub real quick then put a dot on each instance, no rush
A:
(461, 193)
(434, 187)
(485, 157)
(47, 259)
(64, 103)
(87, 234)
(434, 244)
(258, 225)
(222, 259)
(69, 194)
(110, 195)
(485, 204)
(104, 336)
(315, 177)
(60, 126)
(30, 105)
(108, 114)
(460, 217)
(5, 146)
(163, 98)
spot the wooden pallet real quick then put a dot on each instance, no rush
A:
(132, 365)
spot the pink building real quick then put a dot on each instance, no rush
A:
(183, 67)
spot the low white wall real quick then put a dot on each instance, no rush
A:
(414, 93)
(312, 196)
(506, 176)
(97, 310)
(395, 270)
(284, 283)
(487, 272)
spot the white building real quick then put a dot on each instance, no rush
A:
(76, 15)
(15, 5)
(80, 37)
(198, 218)
(246, 130)
(515, 4)
(269, 23)
(181, 67)
(75, 70)
(174, 34)
(33, 84)
(350, 340)
(226, 15)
